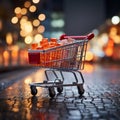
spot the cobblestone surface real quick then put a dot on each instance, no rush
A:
(101, 100)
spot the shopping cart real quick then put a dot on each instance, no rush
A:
(60, 59)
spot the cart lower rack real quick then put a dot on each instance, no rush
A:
(67, 58)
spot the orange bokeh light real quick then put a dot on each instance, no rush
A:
(27, 4)
(14, 20)
(6, 57)
(41, 29)
(108, 49)
(89, 56)
(9, 38)
(32, 8)
(88, 68)
(41, 17)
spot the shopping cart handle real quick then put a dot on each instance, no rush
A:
(89, 37)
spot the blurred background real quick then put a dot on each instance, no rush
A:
(25, 21)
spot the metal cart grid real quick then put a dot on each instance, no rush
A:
(66, 58)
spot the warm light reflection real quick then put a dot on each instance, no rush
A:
(6, 54)
(89, 56)
(114, 35)
(39, 76)
(14, 20)
(41, 17)
(15, 47)
(1, 59)
(117, 39)
(34, 32)
(88, 68)
(10, 104)
(32, 8)
(23, 57)
(9, 38)
(1, 24)
(113, 32)
(41, 29)
(26, 26)
(108, 49)
(28, 80)
(36, 22)
(29, 27)
(14, 56)
(6, 57)
(15, 109)
(23, 20)
(27, 4)
(28, 113)
(23, 11)
(17, 10)
(38, 38)
(22, 33)
(36, 1)
(10, 88)
(28, 39)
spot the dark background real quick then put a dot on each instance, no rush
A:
(80, 16)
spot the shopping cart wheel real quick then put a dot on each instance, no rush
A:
(33, 90)
(51, 92)
(60, 89)
(59, 86)
(80, 89)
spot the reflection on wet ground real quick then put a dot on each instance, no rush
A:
(101, 99)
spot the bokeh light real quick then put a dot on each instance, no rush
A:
(36, 1)
(22, 33)
(27, 4)
(23, 11)
(17, 10)
(42, 17)
(38, 38)
(23, 19)
(6, 57)
(115, 20)
(41, 29)
(14, 20)
(1, 24)
(9, 38)
(28, 80)
(36, 22)
(89, 56)
(27, 27)
(32, 8)
(28, 39)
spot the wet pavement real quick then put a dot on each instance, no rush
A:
(101, 100)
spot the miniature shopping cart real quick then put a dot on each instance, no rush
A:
(66, 58)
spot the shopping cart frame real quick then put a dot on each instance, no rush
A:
(71, 61)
